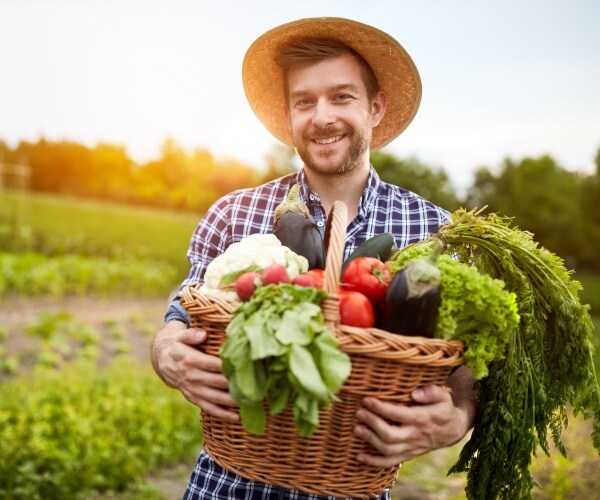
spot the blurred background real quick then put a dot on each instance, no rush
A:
(122, 121)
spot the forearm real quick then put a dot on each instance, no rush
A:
(465, 392)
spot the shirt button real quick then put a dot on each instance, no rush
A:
(320, 223)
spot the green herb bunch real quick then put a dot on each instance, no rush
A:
(278, 351)
(548, 363)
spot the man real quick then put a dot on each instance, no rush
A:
(334, 89)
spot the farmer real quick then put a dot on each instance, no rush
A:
(334, 89)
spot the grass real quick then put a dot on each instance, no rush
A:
(59, 225)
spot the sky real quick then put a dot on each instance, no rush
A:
(501, 79)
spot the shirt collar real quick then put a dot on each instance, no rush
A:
(366, 202)
(370, 194)
(306, 194)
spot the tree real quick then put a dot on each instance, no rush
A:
(432, 184)
(591, 217)
(280, 162)
(541, 196)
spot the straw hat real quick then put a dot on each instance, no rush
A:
(395, 71)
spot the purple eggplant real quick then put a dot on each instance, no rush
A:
(296, 229)
(413, 298)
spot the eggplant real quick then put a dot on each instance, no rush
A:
(412, 301)
(296, 229)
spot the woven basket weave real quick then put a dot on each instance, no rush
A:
(385, 365)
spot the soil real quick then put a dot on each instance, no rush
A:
(130, 320)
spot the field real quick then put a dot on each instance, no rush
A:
(49, 341)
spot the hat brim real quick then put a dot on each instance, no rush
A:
(396, 73)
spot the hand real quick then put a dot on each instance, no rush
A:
(196, 374)
(401, 432)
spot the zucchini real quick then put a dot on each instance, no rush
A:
(296, 229)
(381, 246)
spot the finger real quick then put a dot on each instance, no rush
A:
(381, 428)
(389, 454)
(380, 460)
(212, 401)
(192, 336)
(422, 414)
(215, 397)
(199, 377)
(220, 412)
(391, 411)
(225, 412)
(193, 358)
(431, 394)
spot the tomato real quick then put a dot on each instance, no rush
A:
(305, 280)
(319, 277)
(356, 309)
(369, 276)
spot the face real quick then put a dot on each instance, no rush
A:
(331, 117)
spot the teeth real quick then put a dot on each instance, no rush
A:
(329, 140)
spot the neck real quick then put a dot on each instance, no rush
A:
(347, 187)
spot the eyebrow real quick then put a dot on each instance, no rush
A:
(334, 88)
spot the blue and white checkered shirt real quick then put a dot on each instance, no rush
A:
(382, 208)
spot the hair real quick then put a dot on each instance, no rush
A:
(302, 51)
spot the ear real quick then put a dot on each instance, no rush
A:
(378, 107)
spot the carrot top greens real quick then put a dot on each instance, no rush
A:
(547, 364)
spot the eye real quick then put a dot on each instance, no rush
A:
(343, 97)
(303, 103)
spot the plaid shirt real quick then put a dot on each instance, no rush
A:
(382, 208)
(211, 481)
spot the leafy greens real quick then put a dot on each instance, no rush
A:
(278, 350)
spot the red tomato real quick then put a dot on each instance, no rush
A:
(319, 277)
(356, 309)
(369, 276)
(305, 280)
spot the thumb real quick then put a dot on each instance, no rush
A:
(192, 336)
(430, 394)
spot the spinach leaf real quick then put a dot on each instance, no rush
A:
(278, 352)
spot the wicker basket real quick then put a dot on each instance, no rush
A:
(385, 365)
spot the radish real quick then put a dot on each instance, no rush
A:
(246, 284)
(275, 273)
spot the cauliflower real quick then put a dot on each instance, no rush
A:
(253, 253)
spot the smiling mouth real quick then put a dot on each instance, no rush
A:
(329, 140)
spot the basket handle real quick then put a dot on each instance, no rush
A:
(338, 219)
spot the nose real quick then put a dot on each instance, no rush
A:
(324, 114)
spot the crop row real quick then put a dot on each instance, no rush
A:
(34, 274)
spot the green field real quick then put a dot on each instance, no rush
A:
(58, 225)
